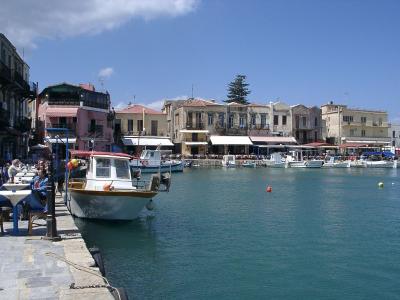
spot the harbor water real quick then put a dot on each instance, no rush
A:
(320, 234)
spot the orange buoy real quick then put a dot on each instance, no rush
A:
(269, 189)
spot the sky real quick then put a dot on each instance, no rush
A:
(297, 51)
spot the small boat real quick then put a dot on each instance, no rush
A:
(333, 163)
(150, 161)
(249, 164)
(384, 159)
(275, 161)
(109, 191)
(228, 161)
(295, 160)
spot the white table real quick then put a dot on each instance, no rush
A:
(15, 186)
(15, 197)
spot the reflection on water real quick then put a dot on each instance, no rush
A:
(218, 234)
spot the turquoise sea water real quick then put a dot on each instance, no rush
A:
(320, 234)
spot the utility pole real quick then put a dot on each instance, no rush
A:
(51, 222)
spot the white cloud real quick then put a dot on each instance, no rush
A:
(26, 21)
(156, 105)
(106, 73)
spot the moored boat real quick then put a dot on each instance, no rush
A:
(275, 161)
(333, 163)
(150, 161)
(228, 161)
(109, 190)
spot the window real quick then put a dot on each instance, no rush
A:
(92, 126)
(363, 132)
(347, 118)
(139, 124)
(130, 125)
(284, 120)
(363, 120)
(393, 143)
(263, 120)
(316, 122)
(276, 120)
(352, 132)
(242, 121)
(394, 134)
(230, 121)
(221, 118)
(304, 121)
(315, 136)
(210, 119)
(380, 122)
(253, 120)
(122, 168)
(103, 168)
(195, 137)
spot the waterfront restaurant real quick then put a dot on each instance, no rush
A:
(265, 145)
(230, 144)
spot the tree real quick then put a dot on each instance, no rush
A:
(238, 91)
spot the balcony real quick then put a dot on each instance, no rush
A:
(366, 124)
(20, 81)
(23, 125)
(96, 130)
(5, 73)
(196, 126)
(4, 118)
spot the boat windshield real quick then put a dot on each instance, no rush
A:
(122, 169)
(103, 167)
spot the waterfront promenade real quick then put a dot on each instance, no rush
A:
(33, 268)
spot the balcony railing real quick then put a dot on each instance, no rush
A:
(96, 130)
(4, 118)
(21, 81)
(23, 125)
(5, 72)
(197, 125)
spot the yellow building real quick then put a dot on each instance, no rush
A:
(137, 125)
(352, 127)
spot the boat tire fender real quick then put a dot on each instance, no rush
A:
(98, 259)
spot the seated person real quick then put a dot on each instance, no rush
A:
(38, 185)
(13, 169)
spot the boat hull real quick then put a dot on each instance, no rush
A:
(108, 205)
(337, 165)
(178, 167)
(381, 164)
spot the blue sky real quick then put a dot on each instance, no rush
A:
(309, 51)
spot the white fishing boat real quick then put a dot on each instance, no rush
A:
(228, 161)
(383, 159)
(295, 160)
(275, 161)
(249, 164)
(151, 161)
(109, 190)
(333, 163)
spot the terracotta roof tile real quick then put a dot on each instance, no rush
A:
(138, 109)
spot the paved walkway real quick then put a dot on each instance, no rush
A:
(33, 268)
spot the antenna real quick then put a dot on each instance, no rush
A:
(192, 90)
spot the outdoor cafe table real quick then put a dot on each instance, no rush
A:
(15, 197)
(15, 186)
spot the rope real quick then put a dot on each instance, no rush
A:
(84, 269)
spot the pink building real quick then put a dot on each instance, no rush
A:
(85, 112)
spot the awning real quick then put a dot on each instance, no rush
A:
(195, 143)
(230, 140)
(193, 131)
(146, 141)
(317, 144)
(371, 142)
(353, 145)
(273, 139)
(60, 140)
(62, 111)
